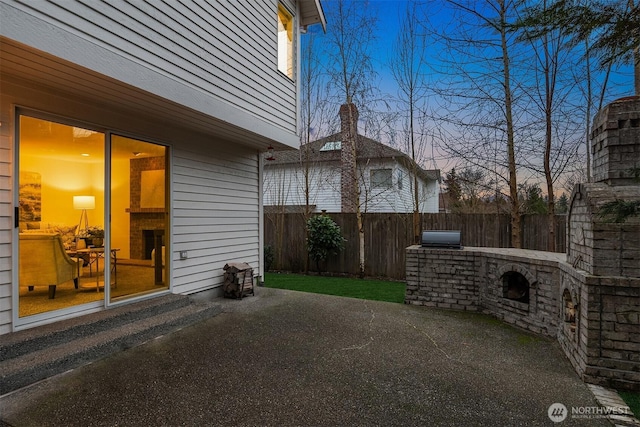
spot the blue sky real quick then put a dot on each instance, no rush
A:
(388, 14)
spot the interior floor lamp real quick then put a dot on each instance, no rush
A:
(83, 203)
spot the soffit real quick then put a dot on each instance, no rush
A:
(22, 63)
(311, 13)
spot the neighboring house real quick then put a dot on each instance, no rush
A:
(385, 177)
(144, 119)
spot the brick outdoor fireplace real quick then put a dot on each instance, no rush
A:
(589, 299)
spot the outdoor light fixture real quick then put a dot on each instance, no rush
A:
(270, 156)
(83, 203)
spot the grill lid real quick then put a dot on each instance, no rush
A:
(441, 239)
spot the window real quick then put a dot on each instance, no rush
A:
(400, 177)
(332, 146)
(285, 41)
(61, 193)
(381, 178)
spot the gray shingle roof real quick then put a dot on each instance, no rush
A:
(366, 149)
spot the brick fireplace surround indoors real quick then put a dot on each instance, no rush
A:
(144, 221)
(588, 298)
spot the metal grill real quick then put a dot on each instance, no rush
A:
(441, 239)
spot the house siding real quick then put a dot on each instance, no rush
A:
(375, 200)
(6, 214)
(431, 203)
(284, 186)
(215, 214)
(198, 77)
(214, 196)
(219, 57)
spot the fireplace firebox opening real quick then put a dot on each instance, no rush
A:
(515, 287)
(570, 310)
(148, 242)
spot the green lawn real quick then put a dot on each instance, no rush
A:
(378, 290)
(632, 398)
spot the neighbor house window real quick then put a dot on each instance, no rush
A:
(381, 178)
(331, 146)
(400, 176)
(285, 41)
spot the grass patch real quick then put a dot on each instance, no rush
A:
(632, 398)
(377, 290)
(527, 339)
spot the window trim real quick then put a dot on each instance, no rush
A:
(386, 184)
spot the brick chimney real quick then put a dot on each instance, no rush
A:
(615, 142)
(348, 178)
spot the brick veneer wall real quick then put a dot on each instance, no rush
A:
(580, 232)
(573, 341)
(142, 218)
(442, 278)
(595, 245)
(613, 332)
(614, 142)
(348, 172)
(539, 315)
(603, 345)
(471, 279)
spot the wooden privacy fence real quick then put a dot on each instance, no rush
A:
(387, 236)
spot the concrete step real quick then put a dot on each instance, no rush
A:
(35, 354)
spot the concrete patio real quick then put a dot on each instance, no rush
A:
(284, 358)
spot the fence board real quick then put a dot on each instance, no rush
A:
(387, 236)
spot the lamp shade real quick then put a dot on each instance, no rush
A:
(84, 202)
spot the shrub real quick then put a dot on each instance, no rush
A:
(324, 238)
(268, 257)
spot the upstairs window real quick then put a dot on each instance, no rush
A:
(285, 42)
(381, 178)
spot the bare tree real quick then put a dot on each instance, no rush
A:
(408, 67)
(610, 31)
(314, 117)
(550, 89)
(479, 100)
(350, 37)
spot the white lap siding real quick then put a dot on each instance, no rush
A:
(215, 214)
(214, 194)
(284, 185)
(200, 77)
(218, 57)
(6, 217)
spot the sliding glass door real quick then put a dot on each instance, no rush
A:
(64, 255)
(138, 217)
(60, 207)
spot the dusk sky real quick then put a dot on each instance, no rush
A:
(388, 13)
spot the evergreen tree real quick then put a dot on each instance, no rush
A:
(452, 186)
(612, 27)
(563, 204)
